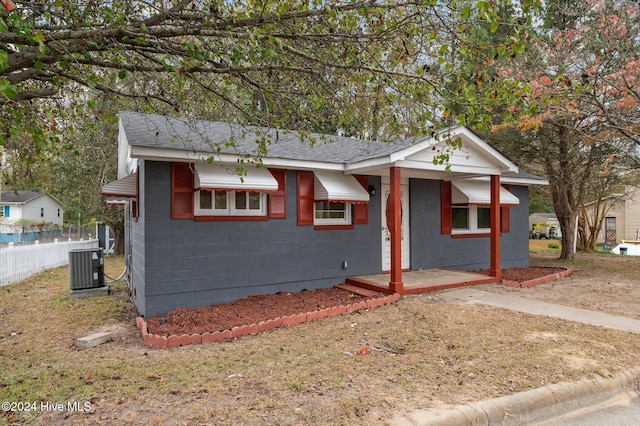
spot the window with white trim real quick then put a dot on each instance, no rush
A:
(470, 219)
(230, 203)
(332, 213)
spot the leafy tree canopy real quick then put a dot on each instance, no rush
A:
(254, 60)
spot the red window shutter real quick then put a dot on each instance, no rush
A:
(181, 191)
(305, 198)
(135, 209)
(278, 199)
(505, 220)
(361, 210)
(445, 207)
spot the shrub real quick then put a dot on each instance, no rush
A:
(553, 246)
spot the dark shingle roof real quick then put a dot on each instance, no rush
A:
(12, 196)
(525, 175)
(198, 136)
(155, 131)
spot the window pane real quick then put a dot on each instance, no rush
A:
(254, 200)
(205, 199)
(460, 217)
(322, 209)
(484, 217)
(241, 200)
(330, 210)
(221, 200)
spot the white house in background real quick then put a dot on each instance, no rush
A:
(622, 218)
(42, 212)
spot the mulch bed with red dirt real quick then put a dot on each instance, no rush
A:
(254, 309)
(530, 273)
(250, 310)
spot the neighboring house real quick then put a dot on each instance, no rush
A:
(544, 225)
(621, 219)
(29, 215)
(312, 216)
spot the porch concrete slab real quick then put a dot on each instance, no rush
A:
(428, 279)
(358, 290)
(535, 307)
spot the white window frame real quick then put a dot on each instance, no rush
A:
(473, 221)
(332, 221)
(231, 209)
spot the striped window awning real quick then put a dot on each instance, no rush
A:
(122, 190)
(479, 193)
(330, 186)
(215, 176)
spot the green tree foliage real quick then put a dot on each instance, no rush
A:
(374, 69)
(259, 60)
(576, 108)
(79, 173)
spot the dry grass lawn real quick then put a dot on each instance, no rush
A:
(422, 352)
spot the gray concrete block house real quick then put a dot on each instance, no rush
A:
(311, 215)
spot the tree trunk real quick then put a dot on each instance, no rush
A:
(567, 225)
(118, 237)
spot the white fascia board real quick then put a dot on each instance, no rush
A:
(164, 154)
(455, 168)
(512, 180)
(284, 163)
(124, 152)
(523, 182)
(373, 163)
(401, 155)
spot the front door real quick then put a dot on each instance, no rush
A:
(610, 226)
(386, 235)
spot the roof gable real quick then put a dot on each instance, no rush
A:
(471, 153)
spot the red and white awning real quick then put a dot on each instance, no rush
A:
(122, 190)
(479, 193)
(216, 176)
(338, 187)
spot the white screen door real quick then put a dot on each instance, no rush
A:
(386, 235)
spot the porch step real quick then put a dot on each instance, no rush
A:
(364, 292)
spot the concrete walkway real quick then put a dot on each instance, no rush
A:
(536, 405)
(535, 307)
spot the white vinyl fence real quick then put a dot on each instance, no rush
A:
(20, 262)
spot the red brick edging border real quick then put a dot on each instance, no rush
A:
(158, 341)
(537, 281)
